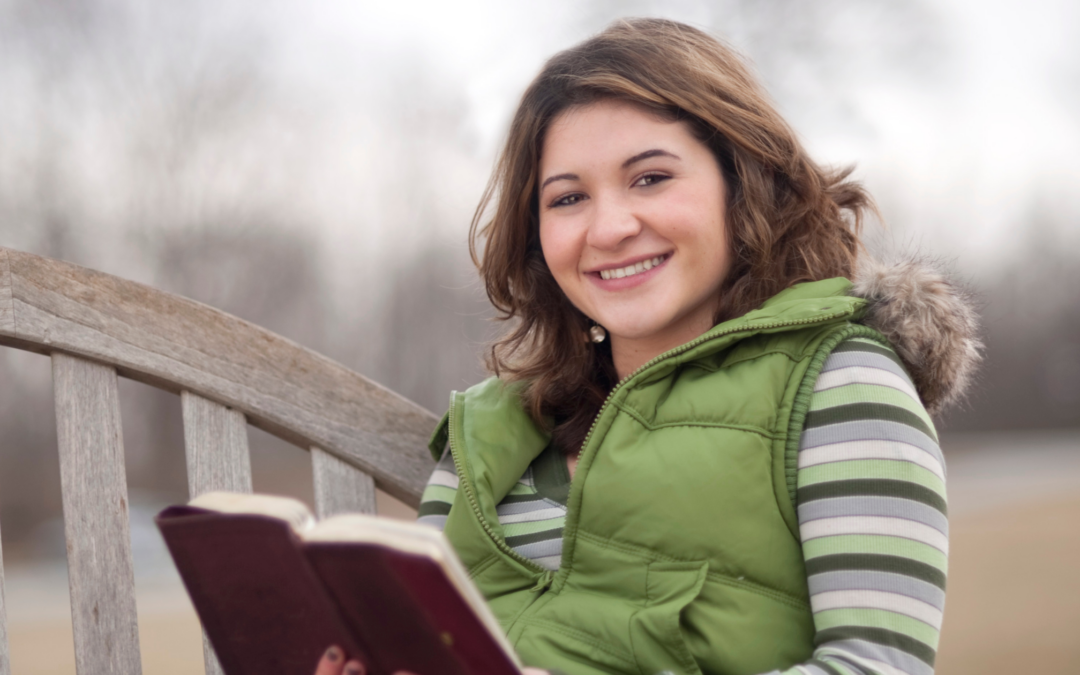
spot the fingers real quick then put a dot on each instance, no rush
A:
(354, 667)
(333, 663)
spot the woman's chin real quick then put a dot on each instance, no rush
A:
(637, 333)
(659, 334)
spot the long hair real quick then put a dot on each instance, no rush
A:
(788, 220)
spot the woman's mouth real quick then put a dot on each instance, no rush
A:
(631, 270)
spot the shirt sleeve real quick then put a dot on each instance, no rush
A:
(439, 493)
(872, 518)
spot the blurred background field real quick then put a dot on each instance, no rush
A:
(312, 167)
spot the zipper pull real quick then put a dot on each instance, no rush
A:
(544, 582)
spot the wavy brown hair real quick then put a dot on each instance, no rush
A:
(788, 220)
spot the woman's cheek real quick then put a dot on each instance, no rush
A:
(561, 252)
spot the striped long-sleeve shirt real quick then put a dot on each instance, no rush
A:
(872, 516)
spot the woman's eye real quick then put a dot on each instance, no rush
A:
(651, 179)
(568, 200)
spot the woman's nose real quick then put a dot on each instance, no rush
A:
(612, 224)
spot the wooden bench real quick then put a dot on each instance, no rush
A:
(228, 373)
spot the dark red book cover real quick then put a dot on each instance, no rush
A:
(262, 606)
(271, 603)
(425, 623)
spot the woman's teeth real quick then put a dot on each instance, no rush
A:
(631, 270)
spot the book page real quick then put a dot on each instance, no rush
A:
(292, 511)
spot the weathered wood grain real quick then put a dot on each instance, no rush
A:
(340, 487)
(216, 447)
(94, 490)
(7, 312)
(5, 659)
(178, 344)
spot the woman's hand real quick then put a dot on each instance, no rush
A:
(333, 663)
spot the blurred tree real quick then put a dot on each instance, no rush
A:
(1031, 323)
(259, 271)
(29, 464)
(433, 329)
(812, 56)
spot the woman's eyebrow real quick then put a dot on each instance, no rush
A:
(647, 154)
(561, 176)
(656, 152)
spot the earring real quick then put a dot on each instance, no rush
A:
(597, 333)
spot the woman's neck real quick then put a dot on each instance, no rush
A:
(629, 354)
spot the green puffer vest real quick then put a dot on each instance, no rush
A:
(681, 548)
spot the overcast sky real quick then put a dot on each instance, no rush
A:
(991, 127)
(383, 115)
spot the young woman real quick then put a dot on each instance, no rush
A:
(707, 445)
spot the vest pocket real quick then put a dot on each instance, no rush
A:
(553, 645)
(655, 632)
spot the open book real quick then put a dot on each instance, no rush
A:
(274, 589)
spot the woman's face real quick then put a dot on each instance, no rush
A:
(632, 226)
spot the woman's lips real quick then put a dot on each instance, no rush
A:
(636, 279)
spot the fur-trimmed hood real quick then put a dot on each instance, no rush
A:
(930, 321)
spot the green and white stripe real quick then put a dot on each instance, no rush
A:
(439, 493)
(532, 515)
(872, 517)
(533, 522)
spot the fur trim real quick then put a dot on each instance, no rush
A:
(928, 319)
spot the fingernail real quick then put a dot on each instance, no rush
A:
(333, 654)
(354, 668)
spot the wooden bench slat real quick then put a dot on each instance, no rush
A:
(7, 309)
(5, 659)
(94, 489)
(339, 486)
(178, 344)
(216, 448)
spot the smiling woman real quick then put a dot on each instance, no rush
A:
(622, 207)
(783, 219)
(707, 445)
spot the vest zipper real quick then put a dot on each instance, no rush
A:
(475, 505)
(544, 582)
